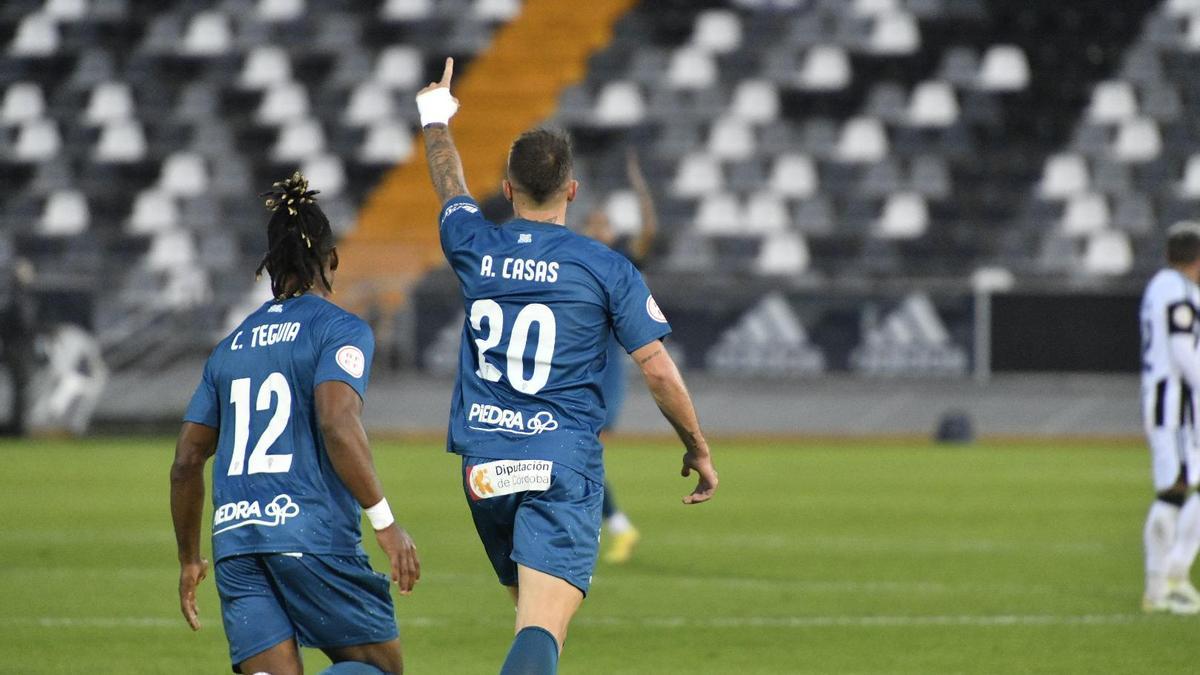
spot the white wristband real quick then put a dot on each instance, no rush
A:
(436, 106)
(380, 515)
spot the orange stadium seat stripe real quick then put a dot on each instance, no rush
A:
(512, 86)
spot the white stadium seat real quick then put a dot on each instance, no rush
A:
(783, 253)
(109, 102)
(718, 31)
(37, 140)
(370, 102)
(755, 101)
(154, 210)
(1108, 253)
(496, 10)
(171, 249)
(933, 104)
(1189, 186)
(121, 141)
(280, 10)
(905, 216)
(863, 139)
(794, 176)
(265, 67)
(65, 10)
(825, 68)
(184, 174)
(698, 174)
(387, 143)
(326, 172)
(765, 212)
(719, 213)
(406, 10)
(23, 102)
(620, 103)
(399, 67)
(624, 211)
(1085, 214)
(208, 34)
(731, 139)
(1064, 175)
(299, 140)
(1137, 140)
(691, 68)
(895, 33)
(1004, 68)
(283, 102)
(1112, 102)
(64, 214)
(37, 35)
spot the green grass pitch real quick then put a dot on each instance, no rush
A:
(853, 558)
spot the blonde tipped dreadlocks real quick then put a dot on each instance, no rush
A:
(299, 239)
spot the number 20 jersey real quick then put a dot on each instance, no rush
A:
(274, 488)
(1168, 309)
(541, 303)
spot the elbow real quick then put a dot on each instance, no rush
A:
(185, 468)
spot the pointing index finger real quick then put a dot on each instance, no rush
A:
(448, 72)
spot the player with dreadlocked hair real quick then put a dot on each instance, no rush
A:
(299, 240)
(278, 409)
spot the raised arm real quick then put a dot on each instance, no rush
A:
(339, 413)
(637, 180)
(666, 385)
(196, 444)
(437, 106)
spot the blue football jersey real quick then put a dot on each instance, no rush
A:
(274, 489)
(541, 303)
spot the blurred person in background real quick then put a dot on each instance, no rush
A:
(1170, 386)
(637, 248)
(17, 322)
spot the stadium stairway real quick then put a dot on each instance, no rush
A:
(509, 88)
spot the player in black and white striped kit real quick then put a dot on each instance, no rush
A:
(1170, 388)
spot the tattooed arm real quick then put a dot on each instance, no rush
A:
(437, 106)
(671, 395)
(445, 166)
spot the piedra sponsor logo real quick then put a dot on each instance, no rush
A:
(243, 513)
(487, 417)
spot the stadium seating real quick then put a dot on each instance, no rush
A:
(807, 139)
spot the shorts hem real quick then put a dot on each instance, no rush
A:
(353, 642)
(259, 648)
(545, 569)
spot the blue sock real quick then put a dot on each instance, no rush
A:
(534, 652)
(352, 668)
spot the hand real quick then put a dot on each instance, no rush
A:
(701, 464)
(447, 73)
(190, 576)
(402, 553)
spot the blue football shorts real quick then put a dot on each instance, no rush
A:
(324, 601)
(537, 514)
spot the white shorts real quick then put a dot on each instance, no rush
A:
(1171, 450)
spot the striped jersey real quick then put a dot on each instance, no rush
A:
(1168, 312)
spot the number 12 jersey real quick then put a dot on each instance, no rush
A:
(274, 488)
(541, 302)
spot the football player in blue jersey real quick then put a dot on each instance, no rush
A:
(278, 410)
(614, 381)
(526, 413)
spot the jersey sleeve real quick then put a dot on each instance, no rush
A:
(347, 350)
(1181, 318)
(460, 218)
(637, 320)
(205, 406)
